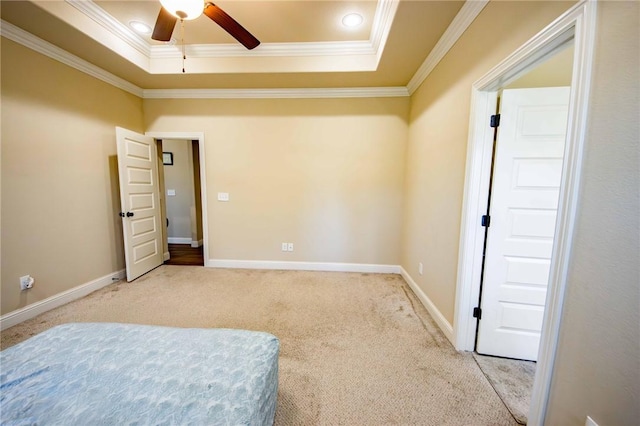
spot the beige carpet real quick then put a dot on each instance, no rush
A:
(513, 381)
(356, 349)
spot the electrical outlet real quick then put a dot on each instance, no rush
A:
(26, 282)
(290, 246)
(285, 247)
(420, 268)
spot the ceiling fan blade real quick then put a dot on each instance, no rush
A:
(165, 24)
(231, 26)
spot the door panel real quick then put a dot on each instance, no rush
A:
(536, 173)
(524, 201)
(138, 170)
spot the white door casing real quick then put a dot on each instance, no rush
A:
(139, 199)
(576, 25)
(524, 201)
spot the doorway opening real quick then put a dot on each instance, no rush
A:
(576, 26)
(181, 187)
(522, 201)
(183, 200)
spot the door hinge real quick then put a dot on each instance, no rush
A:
(477, 313)
(486, 220)
(495, 120)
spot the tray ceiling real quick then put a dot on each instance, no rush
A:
(303, 42)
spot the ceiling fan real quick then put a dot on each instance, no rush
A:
(172, 10)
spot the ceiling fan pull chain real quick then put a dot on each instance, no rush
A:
(184, 55)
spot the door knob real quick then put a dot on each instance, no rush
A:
(129, 214)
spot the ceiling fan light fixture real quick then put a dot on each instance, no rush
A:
(184, 9)
(352, 20)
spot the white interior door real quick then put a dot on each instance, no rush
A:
(139, 198)
(524, 201)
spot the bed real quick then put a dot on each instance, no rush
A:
(121, 374)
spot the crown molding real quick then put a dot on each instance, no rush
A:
(302, 93)
(383, 18)
(45, 48)
(467, 14)
(32, 42)
(469, 11)
(124, 33)
(330, 48)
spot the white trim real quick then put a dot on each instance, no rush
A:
(382, 21)
(351, 55)
(199, 136)
(178, 240)
(326, 48)
(474, 206)
(441, 321)
(386, 12)
(166, 256)
(579, 24)
(196, 244)
(380, 28)
(467, 14)
(303, 266)
(583, 16)
(32, 42)
(115, 27)
(340, 92)
(37, 308)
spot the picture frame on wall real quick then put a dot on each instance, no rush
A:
(167, 158)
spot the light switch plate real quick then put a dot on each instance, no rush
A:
(223, 196)
(171, 192)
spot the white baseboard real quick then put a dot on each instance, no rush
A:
(37, 308)
(303, 266)
(166, 256)
(196, 244)
(178, 240)
(435, 313)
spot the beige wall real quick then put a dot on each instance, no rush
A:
(597, 371)
(438, 132)
(327, 175)
(179, 177)
(60, 195)
(554, 72)
(324, 174)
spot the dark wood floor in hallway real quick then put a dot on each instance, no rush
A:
(184, 254)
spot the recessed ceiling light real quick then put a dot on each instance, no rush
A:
(140, 27)
(352, 20)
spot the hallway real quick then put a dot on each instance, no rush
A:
(184, 254)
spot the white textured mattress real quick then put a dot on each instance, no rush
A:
(120, 374)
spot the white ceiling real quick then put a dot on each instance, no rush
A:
(303, 43)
